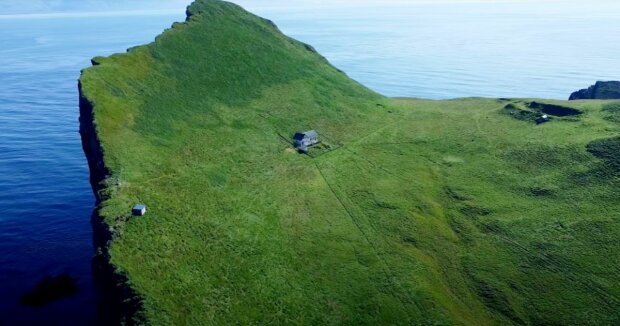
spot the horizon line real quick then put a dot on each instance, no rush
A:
(82, 14)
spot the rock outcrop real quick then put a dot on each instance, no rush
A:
(118, 303)
(602, 90)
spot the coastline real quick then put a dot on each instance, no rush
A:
(467, 220)
(118, 302)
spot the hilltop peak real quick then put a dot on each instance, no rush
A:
(211, 6)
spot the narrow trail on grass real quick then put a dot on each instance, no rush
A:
(387, 270)
(353, 219)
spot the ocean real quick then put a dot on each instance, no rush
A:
(426, 50)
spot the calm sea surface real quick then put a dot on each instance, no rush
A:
(45, 197)
(432, 51)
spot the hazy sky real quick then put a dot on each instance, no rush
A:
(49, 6)
(56, 6)
(37, 7)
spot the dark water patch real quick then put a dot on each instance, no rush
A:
(555, 110)
(35, 76)
(45, 198)
(49, 289)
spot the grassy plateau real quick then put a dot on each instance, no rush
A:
(410, 211)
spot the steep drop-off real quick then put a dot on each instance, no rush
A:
(602, 90)
(409, 211)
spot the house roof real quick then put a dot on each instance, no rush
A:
(306, 134)
(139, 207)
(311, 133)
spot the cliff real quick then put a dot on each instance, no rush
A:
(602, 90)
(117, 302)
(408, 212)
(91, 145)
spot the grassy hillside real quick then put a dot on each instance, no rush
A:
(409, 212)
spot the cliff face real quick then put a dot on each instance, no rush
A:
(91, 146)
(117, 302)
(608, 90)
(395, 218)
(268, 59)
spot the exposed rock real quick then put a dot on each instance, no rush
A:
(600, 91)
(118, 302)
(90, 144)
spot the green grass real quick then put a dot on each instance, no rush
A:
(414, 211)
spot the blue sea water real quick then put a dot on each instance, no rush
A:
(45, 198)
(420, 50)
(544, 49)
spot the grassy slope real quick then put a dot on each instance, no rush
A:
(446, 212)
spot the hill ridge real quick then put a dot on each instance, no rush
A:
(409, 211)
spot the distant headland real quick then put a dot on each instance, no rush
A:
(602, 90)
